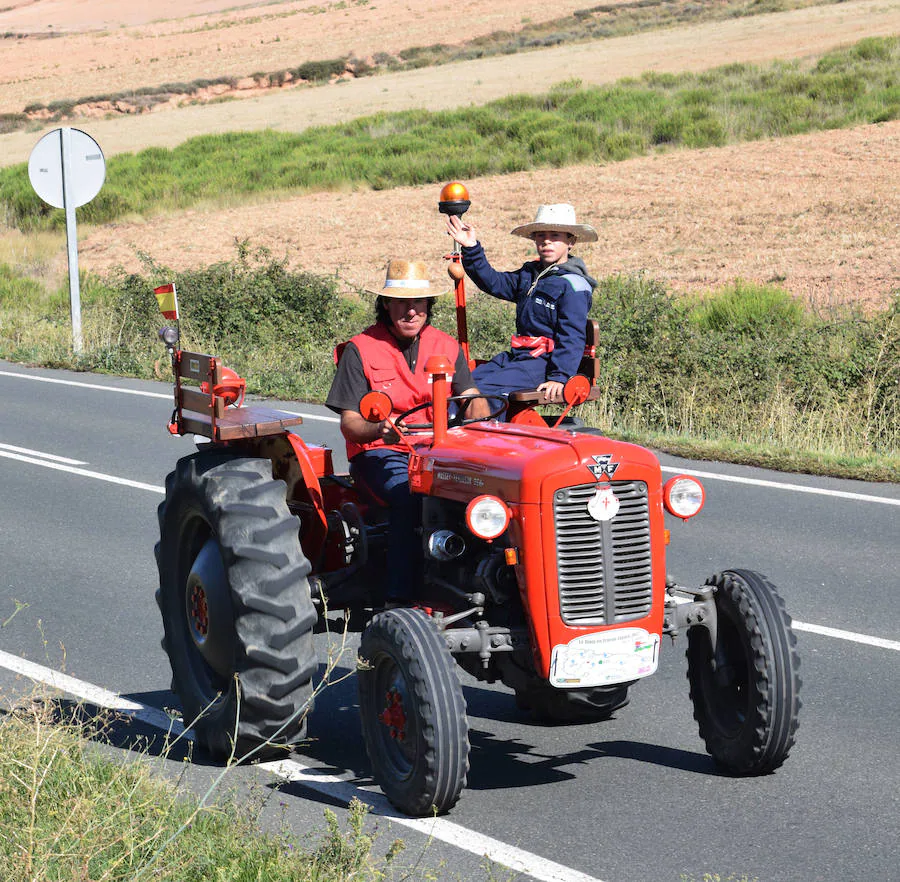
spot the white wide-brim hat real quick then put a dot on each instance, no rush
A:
(559, 218)
(407, 279)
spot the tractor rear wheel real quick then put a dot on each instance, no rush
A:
(413, 712)
(235, 603)
(745, 691)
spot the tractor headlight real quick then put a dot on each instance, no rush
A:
(683, 496)
(487, 517)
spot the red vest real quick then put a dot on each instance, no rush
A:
(387, 371)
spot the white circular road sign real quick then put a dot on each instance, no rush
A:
(84, 165)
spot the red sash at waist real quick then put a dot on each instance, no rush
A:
(536, 345)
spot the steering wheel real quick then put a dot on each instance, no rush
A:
(455, 421)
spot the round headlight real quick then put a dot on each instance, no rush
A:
(683, 496)
(487, 517)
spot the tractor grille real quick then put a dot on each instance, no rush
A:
(604, 566)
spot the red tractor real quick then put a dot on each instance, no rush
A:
(544, 569)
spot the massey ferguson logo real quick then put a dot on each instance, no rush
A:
(602, 466)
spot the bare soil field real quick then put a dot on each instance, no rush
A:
(75, 48)
(820, 214)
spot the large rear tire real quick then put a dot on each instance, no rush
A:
(413, 713)
(235, 603)
(746, 691)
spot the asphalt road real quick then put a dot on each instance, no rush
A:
(632, 799)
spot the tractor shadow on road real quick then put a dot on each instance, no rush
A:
(506, 763)
(497, 761)
(530, 756)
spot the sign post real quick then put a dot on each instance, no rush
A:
(67, 170)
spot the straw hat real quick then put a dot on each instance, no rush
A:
(407, 278)
(559, 218)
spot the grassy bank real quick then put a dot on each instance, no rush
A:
(570, 124)
(747, 373)
(71, 811)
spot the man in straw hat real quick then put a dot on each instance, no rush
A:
(390, 356)
(552, 296)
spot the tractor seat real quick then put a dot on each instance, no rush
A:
(524, 399)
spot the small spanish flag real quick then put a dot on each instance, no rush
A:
(168, 301)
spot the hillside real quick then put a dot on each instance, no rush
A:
(818, 213)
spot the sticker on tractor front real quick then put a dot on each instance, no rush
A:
(605, 658)
(603, 505)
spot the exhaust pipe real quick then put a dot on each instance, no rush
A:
(445, 545)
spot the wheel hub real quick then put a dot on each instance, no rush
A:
(199, 613)
(393, 716)
(210, 619)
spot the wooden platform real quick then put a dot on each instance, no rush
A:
(240, 422)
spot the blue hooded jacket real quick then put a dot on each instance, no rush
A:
(550, 302)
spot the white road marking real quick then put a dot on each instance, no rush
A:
(334, 786)
(85, 473)
(340, 787)
(435, 828)
(58, 462)
(84, 385)
(778, 485)
(89, 692)
(852, 636)
(438, 828)
(50, 456)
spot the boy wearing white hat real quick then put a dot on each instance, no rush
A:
(552, 296)
(389, 356)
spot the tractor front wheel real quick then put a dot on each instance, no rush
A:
(413, 712)
(235, 603)
(745, 689)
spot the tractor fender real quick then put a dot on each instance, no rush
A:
(309, 478)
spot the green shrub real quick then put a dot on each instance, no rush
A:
(276, 326)
(318, 71)
(747, 365)
(10, 122)
(748, 308)
(72, 810)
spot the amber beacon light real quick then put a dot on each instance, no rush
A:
(454, 199)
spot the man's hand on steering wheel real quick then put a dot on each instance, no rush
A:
(458, 419)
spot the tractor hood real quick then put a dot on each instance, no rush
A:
(513, 461)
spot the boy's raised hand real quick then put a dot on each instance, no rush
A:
(461, 232)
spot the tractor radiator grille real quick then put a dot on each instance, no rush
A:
(603, 566)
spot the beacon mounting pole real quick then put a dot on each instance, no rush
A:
(455, 201)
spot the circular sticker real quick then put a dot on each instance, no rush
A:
(603, 505)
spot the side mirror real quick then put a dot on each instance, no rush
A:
(577, 390)
(375, 406)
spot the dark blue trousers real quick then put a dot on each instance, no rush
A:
(386, 473)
